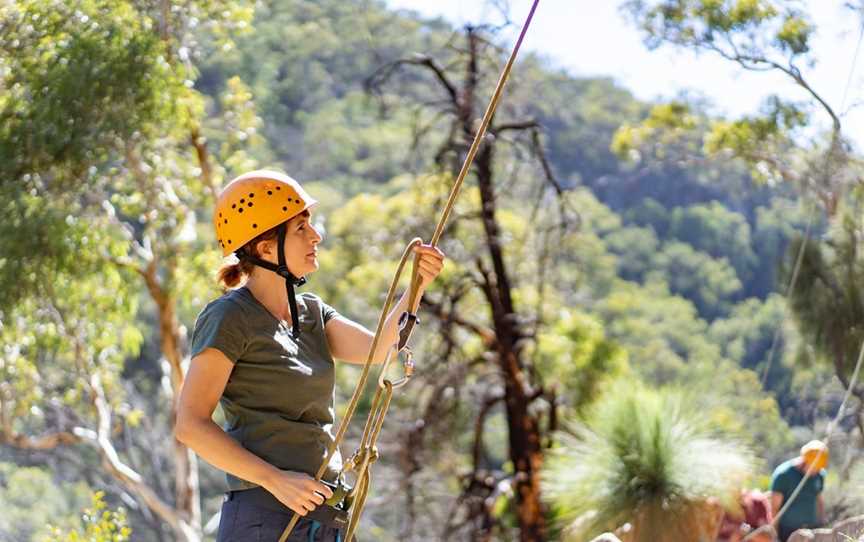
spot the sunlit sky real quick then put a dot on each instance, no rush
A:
(592, 38)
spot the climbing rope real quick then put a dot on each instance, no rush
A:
(361, 461)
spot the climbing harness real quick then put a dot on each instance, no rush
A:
(359, 464)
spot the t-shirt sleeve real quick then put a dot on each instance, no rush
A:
(780, 482)
(327, 312)
(218, 328)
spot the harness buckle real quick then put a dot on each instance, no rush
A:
(340, 490)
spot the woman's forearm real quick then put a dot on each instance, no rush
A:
(211, 443)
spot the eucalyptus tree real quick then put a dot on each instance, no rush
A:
(756, 35)
(104, 162)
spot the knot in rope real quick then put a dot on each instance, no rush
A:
(361, 459)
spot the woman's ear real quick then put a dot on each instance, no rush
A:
(266, 248)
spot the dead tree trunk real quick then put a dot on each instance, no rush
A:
(508, 332)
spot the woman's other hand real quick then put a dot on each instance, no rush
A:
(298, 491)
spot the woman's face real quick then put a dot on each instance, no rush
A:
(301, 246)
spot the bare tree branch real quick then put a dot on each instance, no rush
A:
(101, 440)
(485, 334)
(383, 74)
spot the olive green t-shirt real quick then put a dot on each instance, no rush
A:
(278, 401)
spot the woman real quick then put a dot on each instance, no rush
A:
(267, 357)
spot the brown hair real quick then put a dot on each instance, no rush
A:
(231, 275)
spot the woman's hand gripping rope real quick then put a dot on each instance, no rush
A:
(429, 261)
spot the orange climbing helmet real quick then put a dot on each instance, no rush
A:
(254, 203)
(815, 455)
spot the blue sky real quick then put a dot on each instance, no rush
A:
(591, 38)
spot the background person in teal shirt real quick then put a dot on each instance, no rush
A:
(807, 510)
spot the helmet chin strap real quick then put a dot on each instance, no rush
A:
(282, 270)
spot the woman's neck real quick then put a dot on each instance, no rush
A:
(269, 289)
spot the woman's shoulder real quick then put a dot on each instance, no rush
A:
(231, 303)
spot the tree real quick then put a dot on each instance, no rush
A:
(103, 197)
(711, 284)
(757, 36)
(100, 525)
(828, 303)
(32, 501)
(507, 330)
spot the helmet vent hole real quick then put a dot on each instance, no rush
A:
(242, 200)
(233, 205)
(226, 220)
(269, 192)
(284, 208)
(278, 188)
(250, 204)
(251, 194)
(240, 210)
(254, 225)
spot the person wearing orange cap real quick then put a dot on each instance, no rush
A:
(266, 355)
(807, 510)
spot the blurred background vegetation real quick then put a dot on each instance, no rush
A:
(617, 284)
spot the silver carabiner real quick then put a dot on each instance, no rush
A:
(407, 368)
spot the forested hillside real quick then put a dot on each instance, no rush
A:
(598, 248)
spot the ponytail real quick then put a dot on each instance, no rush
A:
(231, 275)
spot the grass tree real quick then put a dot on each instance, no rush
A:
(642, 457)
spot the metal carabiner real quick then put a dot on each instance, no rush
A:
(407, 368)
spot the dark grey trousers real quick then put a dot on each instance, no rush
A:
(244, 522)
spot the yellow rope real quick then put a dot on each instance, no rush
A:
(375, 421)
